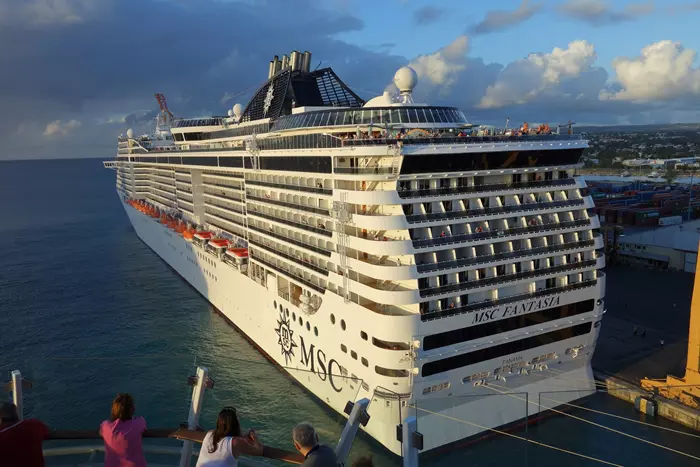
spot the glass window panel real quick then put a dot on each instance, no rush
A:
(386, 116)
(404, 115)
(439, 115)
(429, 116)
(395, 116)
(334, 118)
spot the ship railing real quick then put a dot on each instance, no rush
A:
(405, 192)
(367, 141)
(182, 441)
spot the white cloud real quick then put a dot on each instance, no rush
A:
(663, 72)
(442, 67)
(57, 127)
(524, 80)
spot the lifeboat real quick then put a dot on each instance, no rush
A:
(188, 235)
(163, 219)
(237, 252)
(219, 242)
(202, 235)
(172, 223)
(180, 227)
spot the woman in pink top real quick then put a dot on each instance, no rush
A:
(122, 435)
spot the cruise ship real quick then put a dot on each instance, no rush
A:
(383, 249)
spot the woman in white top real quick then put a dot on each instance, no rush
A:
(222, 447)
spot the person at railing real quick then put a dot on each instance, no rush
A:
(364, 461)
(307, 443)
(224, 445)
(122, 434)
(20, 440)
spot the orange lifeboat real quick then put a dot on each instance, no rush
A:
(219, 242)
(238, 252)
(202, 235)
(188, 234)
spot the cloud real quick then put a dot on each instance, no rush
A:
(524, 80)
(57, 127)
(49, 12)
(498, 20)
(441, 67)
(427, 15)
(663, 72)
(685, 8)
(600, 12)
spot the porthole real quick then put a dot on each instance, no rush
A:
(294, 316)
(315, 331)
(301, 321)
(343, 348)
(308, 326)
(353, 354)
(365, 362)
(274, 304)
(363, 335)
(342, 324)
(286, 311)
(280, 308)
(332, 318)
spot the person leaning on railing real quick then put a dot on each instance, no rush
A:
(307, 443)
(224, 445)
(122, 434)
(20, 440)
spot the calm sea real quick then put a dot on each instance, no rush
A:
(87, 310)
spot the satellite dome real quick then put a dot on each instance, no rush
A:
(406, 79)
(237, 110)
(129, 133)
(230, 113)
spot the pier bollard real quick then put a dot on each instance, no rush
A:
(200, 385)
(357, 414)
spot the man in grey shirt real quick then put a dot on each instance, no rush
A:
(315, 454)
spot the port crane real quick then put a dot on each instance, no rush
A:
(685, 390)
(166, 117)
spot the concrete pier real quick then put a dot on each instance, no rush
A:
(657, 303)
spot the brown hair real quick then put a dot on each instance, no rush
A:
(122, 407)
(365, 461)
(227, 424)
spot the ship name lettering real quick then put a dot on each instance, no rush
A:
(514, 310)
(309, 359)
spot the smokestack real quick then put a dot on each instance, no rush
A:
(285, 62)
(271, 69)
(276, 59)
(294, 61)
(306, 62)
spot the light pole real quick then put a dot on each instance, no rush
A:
(690, 196)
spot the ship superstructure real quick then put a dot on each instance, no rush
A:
(389, 248)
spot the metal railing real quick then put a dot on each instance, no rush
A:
(454, 215)
(459, 190)
(285, 186)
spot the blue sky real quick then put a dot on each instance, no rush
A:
(76, 73)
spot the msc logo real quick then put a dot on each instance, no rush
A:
(286, 338)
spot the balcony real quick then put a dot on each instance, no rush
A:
(294, 259)
(300, 207)
(440, 290)
(285, 186)
(406, 194)
(296, 277)
(487, 259)
(298, 243)
(460, 238)
(297, 225)
(454, 215)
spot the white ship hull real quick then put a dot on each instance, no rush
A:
(316, 359)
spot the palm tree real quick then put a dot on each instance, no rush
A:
(670, 175)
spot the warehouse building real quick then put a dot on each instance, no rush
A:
(671, 247)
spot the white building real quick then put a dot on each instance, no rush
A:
(672, 247)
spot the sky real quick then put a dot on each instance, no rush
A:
(77, 73)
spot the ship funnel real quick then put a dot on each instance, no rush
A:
(285, 62)
(271, 69)
(294, 60)
(278, 64)
(306, 62)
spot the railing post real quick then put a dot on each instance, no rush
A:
(409, 449)
(357, 415)
(17, 396)
(195, 411)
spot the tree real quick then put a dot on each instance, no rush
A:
(670, 175)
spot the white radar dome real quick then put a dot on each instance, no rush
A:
(406, 79)
(237, 110)
(230, 113)
(129, 133)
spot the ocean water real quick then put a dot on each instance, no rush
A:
(87, 310)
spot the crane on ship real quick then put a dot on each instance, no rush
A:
(685, 390)
(166, 116)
